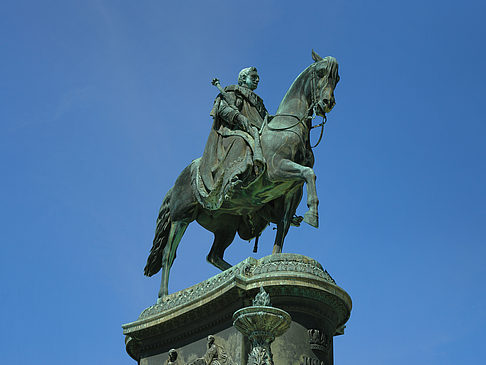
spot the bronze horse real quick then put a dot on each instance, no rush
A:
(273, 197)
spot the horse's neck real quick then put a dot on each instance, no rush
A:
(297, 99)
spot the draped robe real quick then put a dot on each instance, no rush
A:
(231, 153)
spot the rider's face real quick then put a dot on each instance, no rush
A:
(252, 80)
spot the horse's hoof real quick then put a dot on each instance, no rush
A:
(161, 296)
(296, 220)
(311, 219)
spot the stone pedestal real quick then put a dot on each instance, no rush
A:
(296, 284)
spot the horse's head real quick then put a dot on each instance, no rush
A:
(325, 78)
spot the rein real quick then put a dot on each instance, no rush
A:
(312, 107)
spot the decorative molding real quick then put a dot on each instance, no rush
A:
(309, 361)
(210, 303)
(262, 298)
(193, 293)
(319, 340)
(249, 268)
(294, 281)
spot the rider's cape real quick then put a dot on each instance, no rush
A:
(231, 153)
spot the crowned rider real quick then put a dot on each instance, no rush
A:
(233, 155)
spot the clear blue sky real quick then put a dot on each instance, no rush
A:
(104, 102)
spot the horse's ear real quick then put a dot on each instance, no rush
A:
(316, 57)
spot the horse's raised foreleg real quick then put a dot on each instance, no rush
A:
(222, 239)
(177, 230)
(289, 170)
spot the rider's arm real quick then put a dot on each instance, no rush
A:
(232, 116)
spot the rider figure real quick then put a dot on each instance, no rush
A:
(233, 153)
(240, 108)
(244, 108)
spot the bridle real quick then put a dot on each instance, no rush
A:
(308, 115)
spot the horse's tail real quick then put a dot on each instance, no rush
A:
(162, 230)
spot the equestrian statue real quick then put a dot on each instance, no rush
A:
(252, 171)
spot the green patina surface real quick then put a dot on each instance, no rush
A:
(252, 170)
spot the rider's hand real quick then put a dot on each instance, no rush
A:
(244, 122)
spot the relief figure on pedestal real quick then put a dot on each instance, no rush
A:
(172, 360)
(215, 355)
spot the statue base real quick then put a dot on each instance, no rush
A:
(183, 321)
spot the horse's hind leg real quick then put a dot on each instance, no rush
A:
(222, 239)
(177, 230)
(288, 170)
(283, 225)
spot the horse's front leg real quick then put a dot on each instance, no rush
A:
(289, 170)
